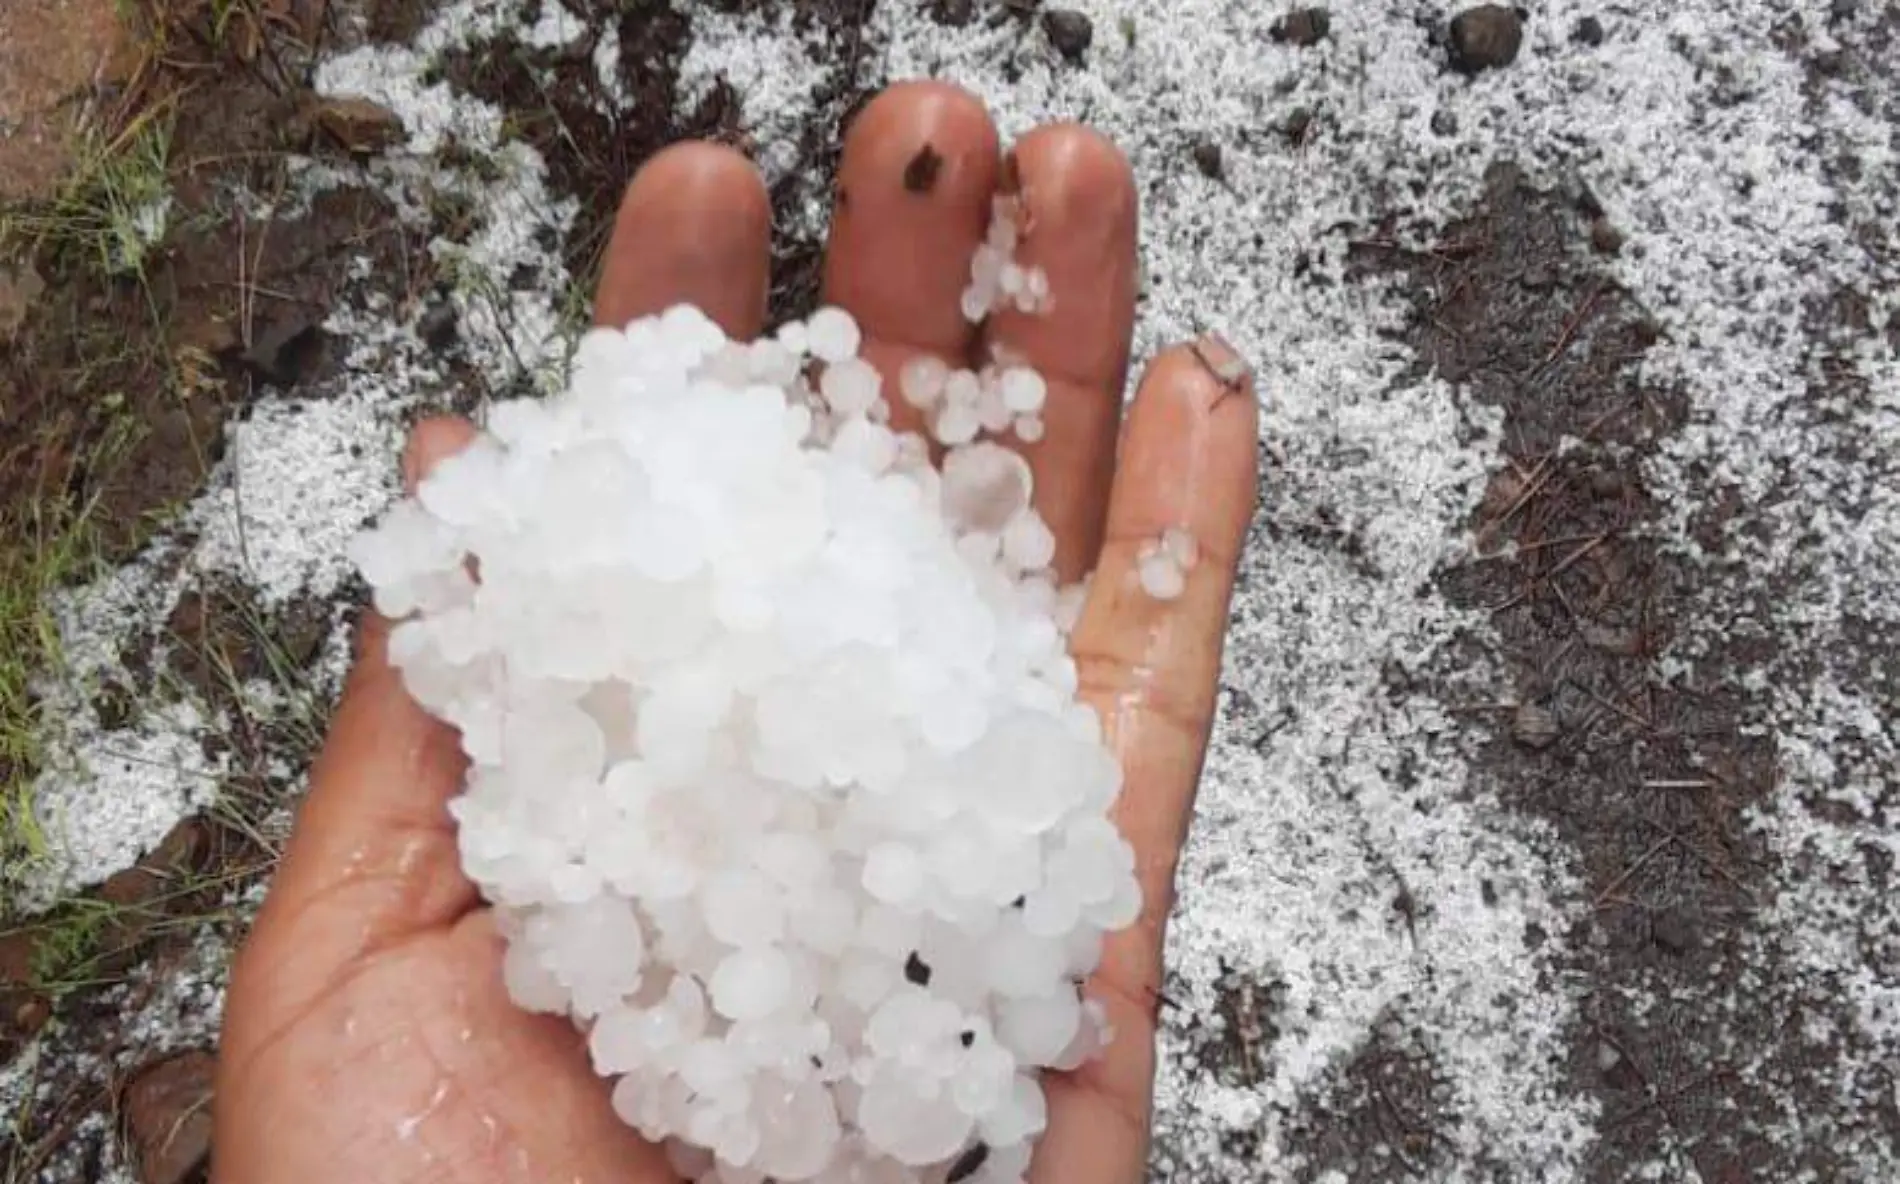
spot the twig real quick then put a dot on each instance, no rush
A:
(1569, 331)
(1632, 869)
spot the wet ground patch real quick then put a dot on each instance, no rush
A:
(1649, 766)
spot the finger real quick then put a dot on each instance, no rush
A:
(372, 858)
(1078, 196)
(1150, 668)
(695, 227)
(914, 192)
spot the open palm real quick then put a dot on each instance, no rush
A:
(367, 1034)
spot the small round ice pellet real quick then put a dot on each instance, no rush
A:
(751, 983)
(921, 380)
(850, 386)
(832, 335)
(772, 734)
(1161, 577)
(1023, 390)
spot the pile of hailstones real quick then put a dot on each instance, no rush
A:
(779, 780)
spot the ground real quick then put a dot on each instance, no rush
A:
(1550, 822)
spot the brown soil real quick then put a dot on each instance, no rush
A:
(113, 394)
(1646, 779)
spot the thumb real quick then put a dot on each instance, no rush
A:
(372, 858)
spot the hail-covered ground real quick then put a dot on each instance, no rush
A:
(1549, 823)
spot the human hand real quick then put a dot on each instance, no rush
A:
(368, 1036)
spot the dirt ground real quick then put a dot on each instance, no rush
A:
(118, 376)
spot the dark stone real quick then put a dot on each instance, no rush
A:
(1674, 931)
(358, 126)
(1605, 239)
(167, 1111)
(969, 1163)
(952, 13)
(1302, 26)
(1207, 158)
(1588, 31)
(114, 706)
(1298, 125)
(285, 350)
(1444, 123)
(1071, 32)
(438, 325)
(1842, 10)
(1484, 38)
(916, 970)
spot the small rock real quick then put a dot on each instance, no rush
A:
(1207, 158)
(1605, 239)
(1484, 38)
(952, 14)
(1071, 32)
(1588, 31)
(1298, 125)
(1444, 123)
(131, 887)
(438, 325)
(1534, 727)
(359, 126)
(1302, 26)
(1842, 11)
(1674, 931)
(284, 350)
(31, 1015)
(167, 1111)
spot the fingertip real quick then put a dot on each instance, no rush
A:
(907, 114)
(431, 441)
(697, 172)
(1189, 455)
(1074, 174)
(694, 226)
(915, 186)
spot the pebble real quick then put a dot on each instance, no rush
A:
(1605, 239)
(168, 1116)
(1673, 931)
(1534, 727)
(1207, 158)
(1071, 32)
(953, 13)
(1302, 26)
(1588, 31)
(359, 126)
(438, 325)
(1485, 38)
(1297, 125)
(1444, 123)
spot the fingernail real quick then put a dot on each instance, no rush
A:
(1224, 362)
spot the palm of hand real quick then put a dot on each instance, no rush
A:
(368, 1036)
